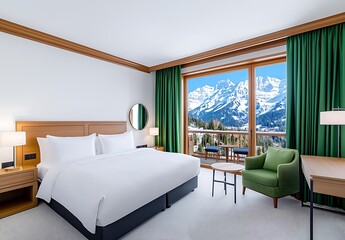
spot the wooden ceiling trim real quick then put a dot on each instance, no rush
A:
(264, 46)
(255, 42)
(280, 56)
(32, 34)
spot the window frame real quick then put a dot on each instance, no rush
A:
(250, 66)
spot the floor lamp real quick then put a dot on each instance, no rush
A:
(334, 117)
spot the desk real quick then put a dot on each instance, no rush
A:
(226, 168)
(324, 175)
(227, 151)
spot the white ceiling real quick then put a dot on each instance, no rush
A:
(152, 32)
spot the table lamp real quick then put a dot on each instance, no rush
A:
(154, 131)
(334, 117)
(12, 139)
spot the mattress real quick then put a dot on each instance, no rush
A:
(102, 189)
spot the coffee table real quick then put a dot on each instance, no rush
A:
(226, 168)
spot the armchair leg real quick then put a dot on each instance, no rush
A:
(243, 190)
(275, 202)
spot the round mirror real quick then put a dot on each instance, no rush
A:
(138, 116)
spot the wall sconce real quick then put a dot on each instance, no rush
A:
(12, 139)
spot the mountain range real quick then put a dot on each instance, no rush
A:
(227, 102)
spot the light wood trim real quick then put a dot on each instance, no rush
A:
(233, 65)
(257, 62)
(264, 46)
(38, 36)
(251, 111)
(278, 134)
(216, 70)
(250, 45)
(36, 129)
(256, 42)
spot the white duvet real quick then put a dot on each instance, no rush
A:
(105, 188)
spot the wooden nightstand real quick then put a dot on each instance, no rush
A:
(18, 190)
(159, 148)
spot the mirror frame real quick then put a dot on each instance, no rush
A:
(131, 117)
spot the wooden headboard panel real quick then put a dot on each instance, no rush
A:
(65, 129)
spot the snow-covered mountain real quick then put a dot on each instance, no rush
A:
(228, 102)
(196, 98)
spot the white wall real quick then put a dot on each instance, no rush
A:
(39, 82)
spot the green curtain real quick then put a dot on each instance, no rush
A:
(315, 83)
(168, 108)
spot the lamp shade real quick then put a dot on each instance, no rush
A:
(12, 139)
(154, 131)
(332, 118)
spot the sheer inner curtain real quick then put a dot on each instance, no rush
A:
(168, 108)
(316, 83)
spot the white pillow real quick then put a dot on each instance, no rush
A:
(98, 146)
(64, 149)
(44, 154)
(117, 143)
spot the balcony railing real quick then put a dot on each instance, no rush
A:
(199, 139)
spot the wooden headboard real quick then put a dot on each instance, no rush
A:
(65, 129)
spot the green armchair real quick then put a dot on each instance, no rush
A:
(274, 173)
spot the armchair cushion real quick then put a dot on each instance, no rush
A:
(261, 176)
(276, 156)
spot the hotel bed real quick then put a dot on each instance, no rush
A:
(105, 195)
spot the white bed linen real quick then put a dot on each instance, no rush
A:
(105, 188)
(43, 168)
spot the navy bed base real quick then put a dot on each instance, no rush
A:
(122, 226)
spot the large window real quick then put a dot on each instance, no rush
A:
(219, 101)
(244, 106)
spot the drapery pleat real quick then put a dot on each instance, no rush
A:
(315, 83)
(168, 108)
(142, 116)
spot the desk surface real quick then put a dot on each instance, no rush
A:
(327, 173)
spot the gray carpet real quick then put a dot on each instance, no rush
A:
(197, 216)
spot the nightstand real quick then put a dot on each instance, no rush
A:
(159, 148)
(18, 190)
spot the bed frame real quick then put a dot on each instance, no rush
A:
(29, 155)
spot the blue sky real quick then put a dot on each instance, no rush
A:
(275, 70)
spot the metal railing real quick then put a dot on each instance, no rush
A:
(199, 139)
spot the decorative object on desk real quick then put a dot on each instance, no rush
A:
(334, 117)
(12, 139)
(138, 116)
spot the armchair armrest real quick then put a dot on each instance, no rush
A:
(288, 175)
(255, 162)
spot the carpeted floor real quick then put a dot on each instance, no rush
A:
(197, 216)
